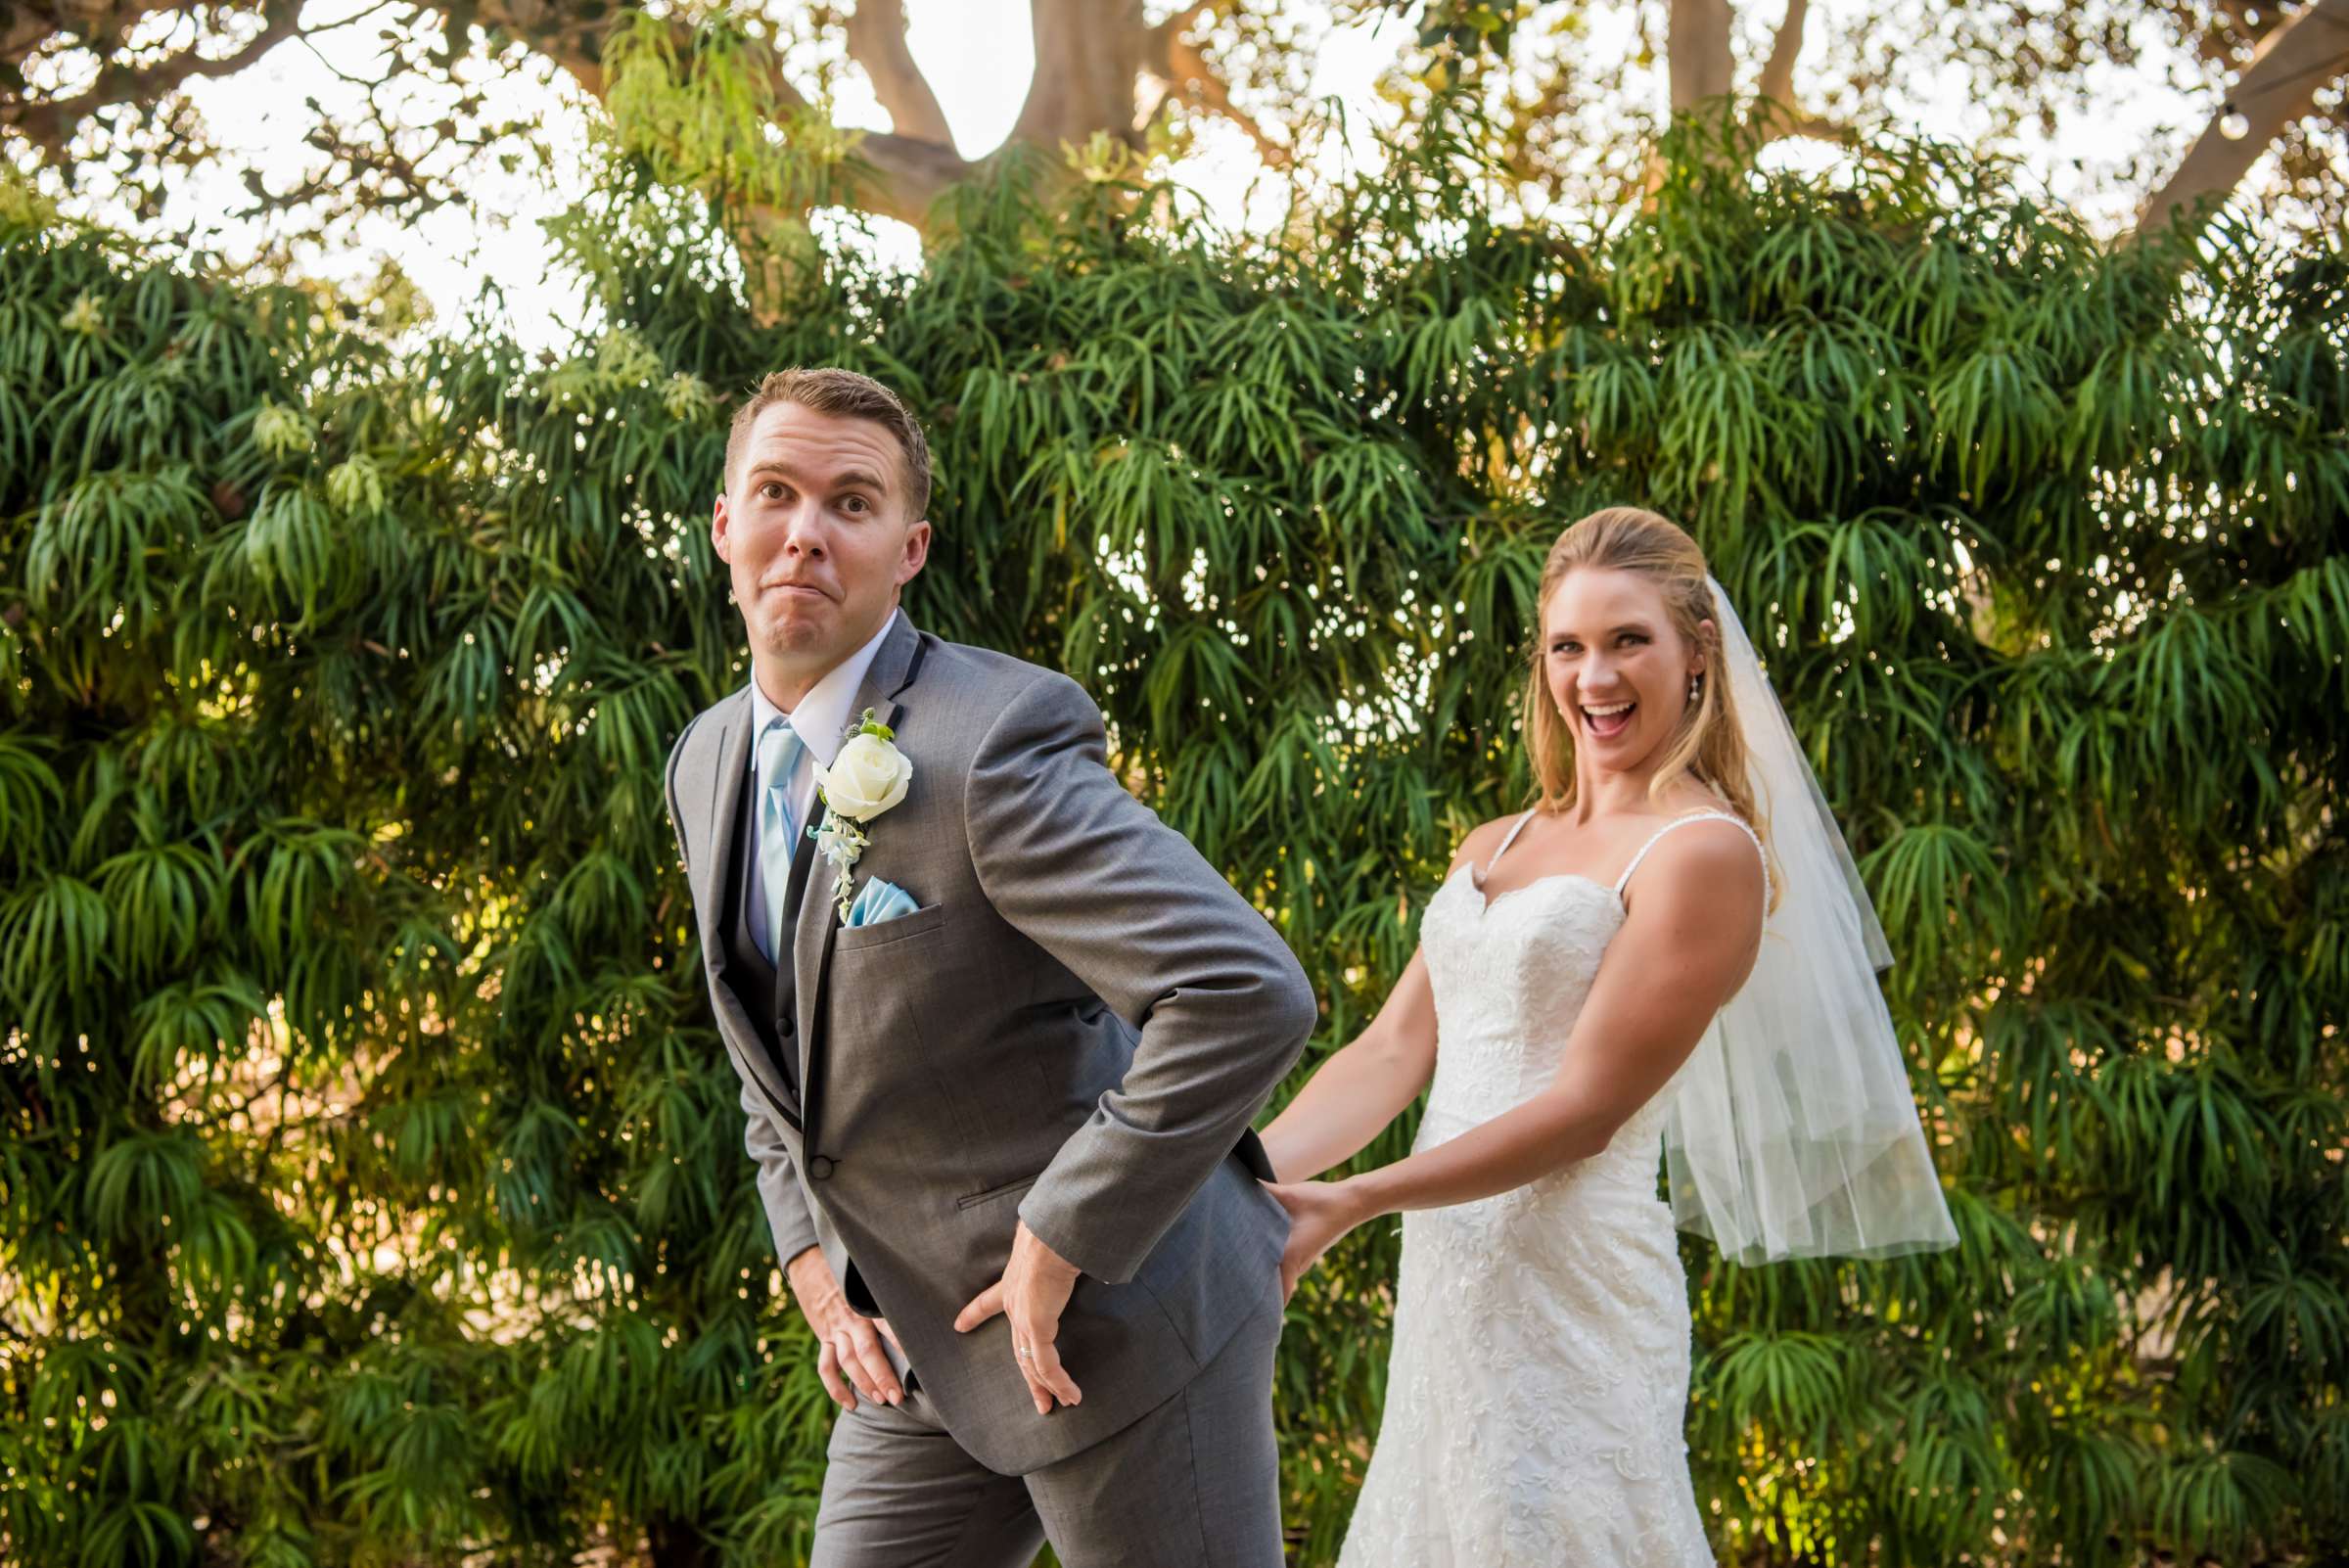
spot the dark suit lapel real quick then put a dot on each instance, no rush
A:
(718, 884)
(715, 865)
(893, 670)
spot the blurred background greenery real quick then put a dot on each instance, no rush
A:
(371, 1187)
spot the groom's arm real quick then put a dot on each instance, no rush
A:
(1092, 876)
(779, 1192)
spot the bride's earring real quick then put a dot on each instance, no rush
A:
(1695, 686)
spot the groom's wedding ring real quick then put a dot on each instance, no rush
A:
(1022, 1352)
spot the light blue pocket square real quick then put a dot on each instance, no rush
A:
(880, 900)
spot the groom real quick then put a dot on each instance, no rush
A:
(1003, 1134)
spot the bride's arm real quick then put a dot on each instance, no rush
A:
(1682, 953)
(1360, 1089)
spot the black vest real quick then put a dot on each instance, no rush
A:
(769, 992)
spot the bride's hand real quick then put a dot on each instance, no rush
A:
(1320, 1213)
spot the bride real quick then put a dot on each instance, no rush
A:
(1672, 949)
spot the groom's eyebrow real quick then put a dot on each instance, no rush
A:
(855, 478)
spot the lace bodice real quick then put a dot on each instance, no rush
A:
(1510, 975)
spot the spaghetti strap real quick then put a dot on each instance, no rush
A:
(1479, 878)
(1743, 827)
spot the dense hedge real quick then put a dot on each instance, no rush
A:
(371, 1187)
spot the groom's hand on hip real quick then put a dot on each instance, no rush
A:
(849, 1357)
(1030, 1296)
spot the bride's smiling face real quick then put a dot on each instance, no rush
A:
(1615, 664)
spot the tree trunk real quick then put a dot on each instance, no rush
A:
(1089, 54)
(2277, 87)
(1698, 42)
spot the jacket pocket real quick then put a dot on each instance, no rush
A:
(859, 939)
(973, 1200)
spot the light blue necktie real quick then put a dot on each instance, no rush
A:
(779, 749)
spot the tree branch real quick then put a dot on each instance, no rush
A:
(1820, 128)
(1183, 65)
(558, 33)
(877, 42)
(1089, 57)
(898, 175)
(51, 122)
(1782, 119)
(2300, 55)
(96, 23)
(902, 177)
(1777, 72)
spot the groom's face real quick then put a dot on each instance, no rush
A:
(815, 532)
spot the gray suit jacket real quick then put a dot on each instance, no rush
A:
(1074, 1028)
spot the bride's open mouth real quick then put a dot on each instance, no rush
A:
(1608, 720)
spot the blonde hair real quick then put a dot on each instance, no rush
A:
(1710, 744)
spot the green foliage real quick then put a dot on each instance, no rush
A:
(371, 1187)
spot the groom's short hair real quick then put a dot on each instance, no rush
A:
(849, 395)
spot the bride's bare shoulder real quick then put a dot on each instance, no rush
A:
(1690, 796)
(1710, 864)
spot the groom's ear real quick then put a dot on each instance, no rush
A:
(916, 553)
(718, 536)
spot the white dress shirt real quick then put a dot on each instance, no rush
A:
(819, 718)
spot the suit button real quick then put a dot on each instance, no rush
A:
(785, 1026)
(820, 1168)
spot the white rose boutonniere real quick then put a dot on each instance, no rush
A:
(867, 777)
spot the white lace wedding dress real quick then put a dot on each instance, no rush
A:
(1539, 1377)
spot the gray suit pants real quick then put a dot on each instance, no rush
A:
(1193, 1484)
